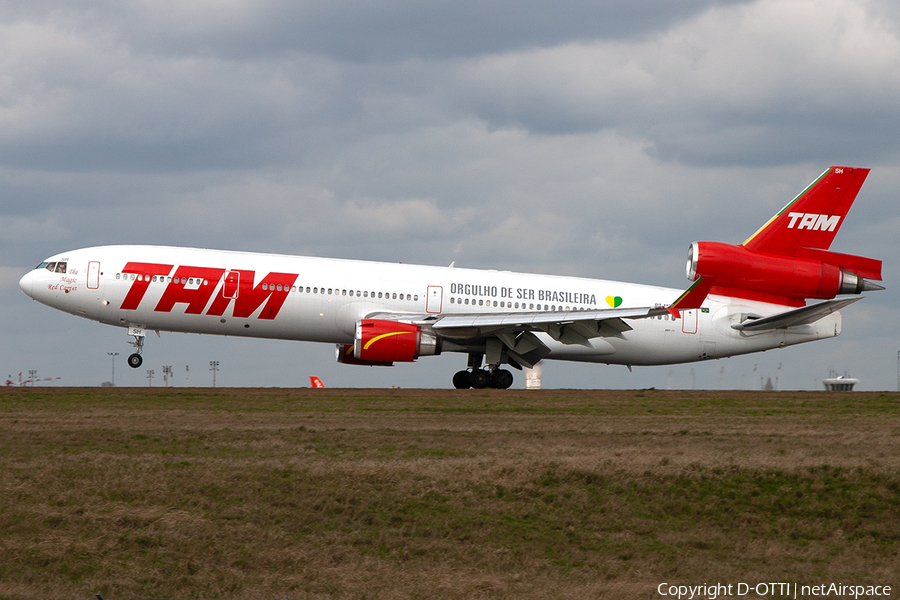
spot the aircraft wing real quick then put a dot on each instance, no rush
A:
(514, 332)
(588, 321)
(800, 316)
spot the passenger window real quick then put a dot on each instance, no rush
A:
(416, 298)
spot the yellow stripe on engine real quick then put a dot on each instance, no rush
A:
(382, 336)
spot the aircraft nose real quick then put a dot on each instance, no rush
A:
(27, 283)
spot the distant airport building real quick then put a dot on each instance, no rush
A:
(533, 378)
(840, 383)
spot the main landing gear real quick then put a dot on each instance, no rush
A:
(482, 378)
(478, 378)
(136, 360)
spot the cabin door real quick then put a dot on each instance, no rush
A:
(434, 299)
(93, 279)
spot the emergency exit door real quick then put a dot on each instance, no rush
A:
(689, 320)
(434, 299)
(93, 280)
(231, 285)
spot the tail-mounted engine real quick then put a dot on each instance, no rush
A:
(818, 274)
(382, 343)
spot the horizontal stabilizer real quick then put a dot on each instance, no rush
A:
(799, 316)
(692, 297)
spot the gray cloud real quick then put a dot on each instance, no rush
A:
(757, 84)
(357, 31)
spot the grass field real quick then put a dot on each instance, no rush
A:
(298, 493)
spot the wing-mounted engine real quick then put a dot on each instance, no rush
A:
(738, 271)
(344, 354)
(381, 342)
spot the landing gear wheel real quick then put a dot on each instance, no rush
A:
(135, 361)
(501, 379)
(480, 379)
(462, 380)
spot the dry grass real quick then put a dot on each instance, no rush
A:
(198, 493)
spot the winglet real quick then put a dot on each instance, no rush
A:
(692, 297)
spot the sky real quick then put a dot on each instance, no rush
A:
(588, 138)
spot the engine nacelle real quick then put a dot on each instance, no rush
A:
(381, 342)
(738, 268)
(344, 354)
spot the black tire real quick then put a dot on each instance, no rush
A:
(135, 361)
(480, 379)
(462, 380)
(502, 379)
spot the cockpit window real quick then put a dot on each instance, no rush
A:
(53, 267)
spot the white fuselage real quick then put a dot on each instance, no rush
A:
(321, 300)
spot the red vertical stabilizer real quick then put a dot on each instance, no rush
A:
(787, 260)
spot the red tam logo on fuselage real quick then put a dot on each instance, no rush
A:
(194, 286)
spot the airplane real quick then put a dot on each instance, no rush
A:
(743, 298)
(315, 382)
(26, 382)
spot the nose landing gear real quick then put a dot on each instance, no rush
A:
(136, 360)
